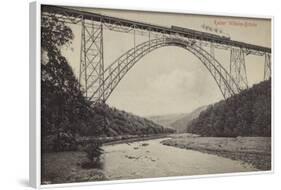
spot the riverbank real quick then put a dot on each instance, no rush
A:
(66, 167)
(118, 139)
(136, 139)
(251, 150)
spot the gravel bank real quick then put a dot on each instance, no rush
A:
(252, 150)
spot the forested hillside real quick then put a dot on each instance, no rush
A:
(65, 113)
(245, 114)
(63, 107)
(114, 122)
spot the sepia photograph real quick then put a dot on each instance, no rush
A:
(129, 94)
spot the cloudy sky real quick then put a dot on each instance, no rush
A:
(170, 79)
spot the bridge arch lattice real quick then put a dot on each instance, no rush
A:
(114, 73)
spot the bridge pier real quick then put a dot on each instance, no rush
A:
(91, 75)
(237, 67)
(267, 66)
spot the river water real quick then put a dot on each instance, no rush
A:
(148, 159)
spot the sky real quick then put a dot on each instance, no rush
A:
(170, 79)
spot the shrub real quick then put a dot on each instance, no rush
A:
(94, 151)
(64, 141)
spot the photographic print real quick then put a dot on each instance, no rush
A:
(129, 94)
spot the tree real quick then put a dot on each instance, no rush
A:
(93, 152)
(63, 108)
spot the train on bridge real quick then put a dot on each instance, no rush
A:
(199, 33)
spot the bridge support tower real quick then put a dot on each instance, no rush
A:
(237, 67)
(267, 66)
(91, 74)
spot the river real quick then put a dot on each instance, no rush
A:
(148, 159)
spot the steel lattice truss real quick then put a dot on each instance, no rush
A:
(237, 67)
(267, 66)
(91, 60)
(98, 82)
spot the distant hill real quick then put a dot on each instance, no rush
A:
(245, 114)
(177, 121)
(167, 120)
(180, 124)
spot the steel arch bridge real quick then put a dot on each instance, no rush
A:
(98, 82)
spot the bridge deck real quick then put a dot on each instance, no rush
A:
(149, 27)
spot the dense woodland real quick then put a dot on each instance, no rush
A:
(115, 122)
(65, 113)
(245, 114)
